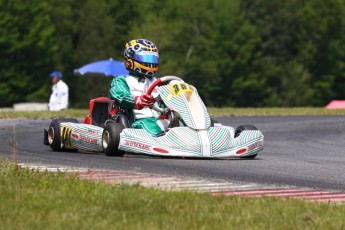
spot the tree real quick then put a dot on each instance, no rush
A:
(237, 52)
(302, 39)
(95, 40)
(184, 34)
(25, 43)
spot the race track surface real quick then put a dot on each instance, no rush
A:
(299, 151)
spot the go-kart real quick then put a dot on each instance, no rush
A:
(189, 131)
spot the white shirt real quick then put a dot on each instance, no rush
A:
(59, 97)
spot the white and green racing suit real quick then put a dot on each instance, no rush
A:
(123, 89)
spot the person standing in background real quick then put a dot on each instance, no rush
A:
(59, 97)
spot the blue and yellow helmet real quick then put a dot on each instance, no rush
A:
(141, 56)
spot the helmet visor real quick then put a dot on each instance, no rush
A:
(147, 57)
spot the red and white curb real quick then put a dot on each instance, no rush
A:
(215, 188)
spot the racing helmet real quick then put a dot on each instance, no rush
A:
(141, 57)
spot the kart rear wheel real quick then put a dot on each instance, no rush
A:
(111, 139)
(54, 132)
(239, 131)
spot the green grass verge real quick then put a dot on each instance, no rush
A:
(212, 112)
(43, 200)
(43, 114)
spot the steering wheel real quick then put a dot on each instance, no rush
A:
(159, 82)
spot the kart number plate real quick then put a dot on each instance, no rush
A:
(178, 88)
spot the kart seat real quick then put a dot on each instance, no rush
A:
(100, 113)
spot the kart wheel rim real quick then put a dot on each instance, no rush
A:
(50, 135)
(105, 139)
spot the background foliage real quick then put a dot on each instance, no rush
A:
(249, 53)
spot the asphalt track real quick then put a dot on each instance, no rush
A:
(298, 151)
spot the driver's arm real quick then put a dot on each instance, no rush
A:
(119, 91)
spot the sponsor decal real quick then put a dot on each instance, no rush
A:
(137, 145)
(75, 136)
(88, 139)
(147, 52)
(140, 91)
(255, 145)
(250, 147)
(93, 131)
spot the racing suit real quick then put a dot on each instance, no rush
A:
(59, 97)
(123, 89)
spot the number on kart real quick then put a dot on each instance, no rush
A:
(178, 88)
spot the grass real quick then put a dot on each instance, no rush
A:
(44, 200)
(43, 114)
(307, 111)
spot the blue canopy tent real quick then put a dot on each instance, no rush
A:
(107, 68)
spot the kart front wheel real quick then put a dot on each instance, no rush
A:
(239, 131)
(111, 139)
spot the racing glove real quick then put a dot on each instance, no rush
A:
(144, 101)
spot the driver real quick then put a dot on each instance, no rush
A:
(129, 91)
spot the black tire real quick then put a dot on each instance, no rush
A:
(54, 132)
(213, 122)
(239, 131)
(122, 119)
(111, 139)
(244, 127)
